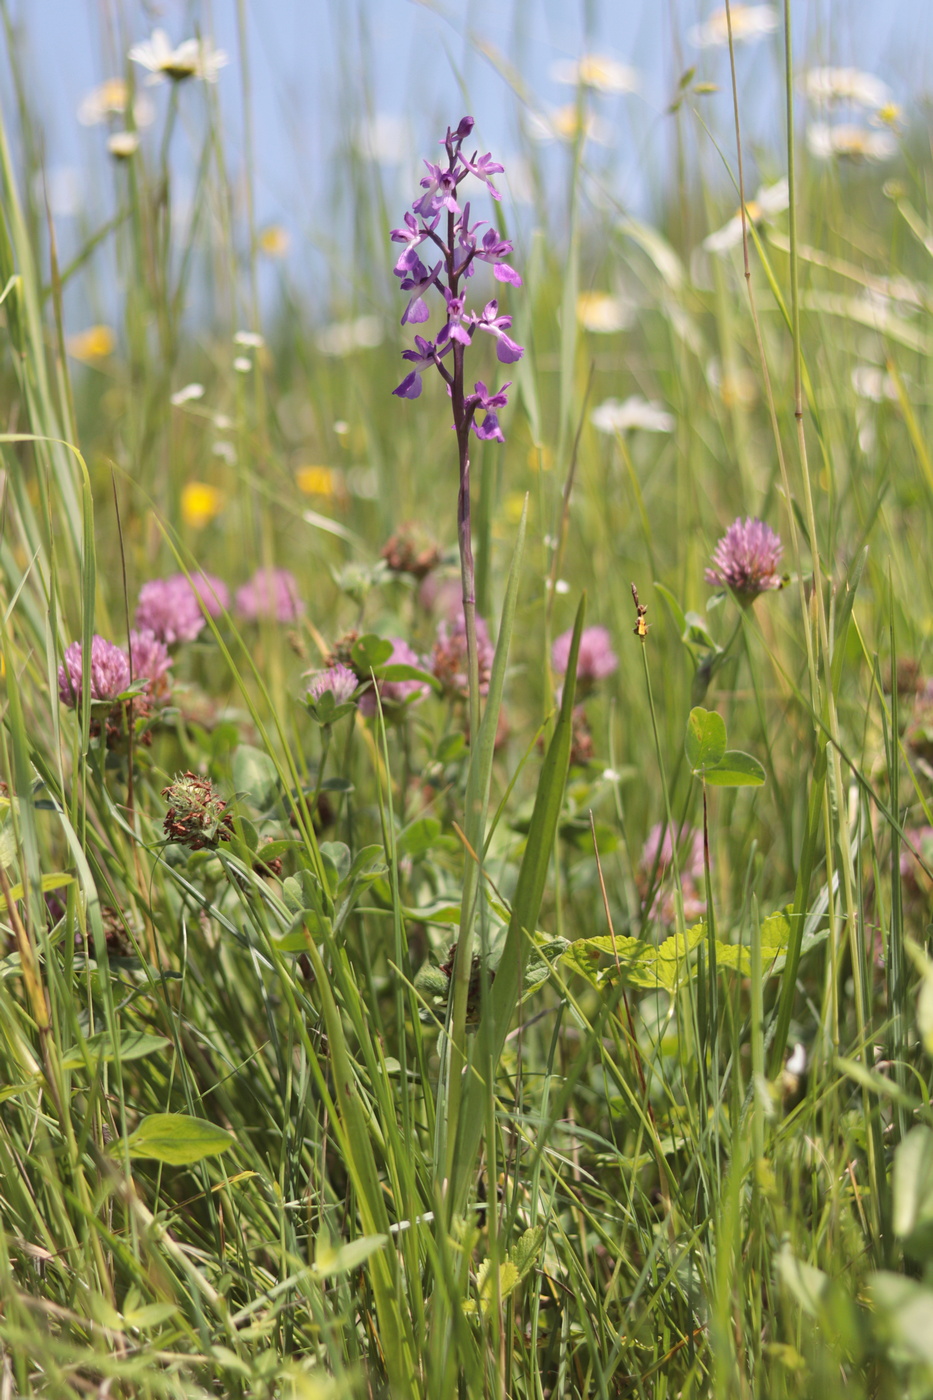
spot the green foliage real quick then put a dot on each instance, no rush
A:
(460, 1063)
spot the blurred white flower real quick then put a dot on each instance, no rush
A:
(563, 124)
(749, 22)
(123, 144)
(831, 85)
(849, 142)
(110, 99)
(187, 394)
(343, 337)
(386, 139)
(737, 387)
(251, 339)
(226, 450)
(870, 382)
(596, 71)
(363, 482)
(242, 364)
(194, 58)
(770, 200)
(222, 422)
(603, 313)
(341, 427)
(615, 416)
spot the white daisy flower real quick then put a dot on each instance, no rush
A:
(564, 124)
(749, 22)
(251, 339)
(110, 99)
(831, 85)
(615, 416)
(242, 364)
(870, 382)
(770, 200)
(187, 395)
(123, 144)
(194, 58)
(849, 142)
(596, 71)
(604, 314)
(343, 337)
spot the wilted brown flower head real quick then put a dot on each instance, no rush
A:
(196, 815)
(411, 550)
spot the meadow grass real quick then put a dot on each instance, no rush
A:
(662, 1125)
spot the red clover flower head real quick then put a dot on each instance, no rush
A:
(169, 609)
(746, 560)
(270, 593)
(449, 657)
(150, 662)
(437, 216)
(339, 680)
(213, 593)
(657, 855)
(595, 661)
(110, 672)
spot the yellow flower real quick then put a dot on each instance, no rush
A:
(273, 241)
(200, 502)
(316, 481)
(96, 343)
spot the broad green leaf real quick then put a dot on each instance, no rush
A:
(509, 1277)
(255, 775)
(133, 1046)
(401, 671)
(809, 1286)
(369, 652)
(177, 1139)
(418, 838)
(705, 742)
(526, 1249)
(149, 1315)
(925, 996)
(667, 965)
(904, 1309)
(912, 1192)
(735, 769)
(346, 1257)
(336, 858)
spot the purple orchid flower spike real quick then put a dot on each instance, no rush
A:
(440, 217)
(437, 216)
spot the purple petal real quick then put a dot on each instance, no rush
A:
(410, 387)
(507, 351)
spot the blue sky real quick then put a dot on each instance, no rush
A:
(317, 67)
